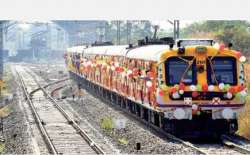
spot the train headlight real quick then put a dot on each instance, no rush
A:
(179, 113)
(227, 113)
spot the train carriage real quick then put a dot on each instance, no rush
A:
(193, 88)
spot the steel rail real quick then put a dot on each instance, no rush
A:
(228, 141)
(43, 131)
(47, 85)
(71, 121)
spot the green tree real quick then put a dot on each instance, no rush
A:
(236, 32)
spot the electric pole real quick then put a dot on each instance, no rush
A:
(118, 32)
(156, 27)
(129, 27)
(176, 29)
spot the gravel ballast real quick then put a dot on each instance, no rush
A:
(126, 139)
(15, 126)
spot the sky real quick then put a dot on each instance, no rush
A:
(166, 24)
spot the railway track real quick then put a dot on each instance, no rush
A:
(93, 134)
(238, 143)
(220, 147)
(60, 132)
(49, 84)
(228, 144)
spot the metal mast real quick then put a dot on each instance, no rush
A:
(118, 32)
(176, 29)
(129, 27)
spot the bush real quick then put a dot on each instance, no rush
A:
(107, 123)
(244, 118)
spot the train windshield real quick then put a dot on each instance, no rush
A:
(180, 69)
(221, 70)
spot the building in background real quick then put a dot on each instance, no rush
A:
(49, 40)
(35, 41)
(83, 32)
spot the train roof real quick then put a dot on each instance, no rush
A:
(76, 49)
(117, 51)
(147, 52)
(107, 50)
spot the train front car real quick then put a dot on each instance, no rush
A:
(202, 89)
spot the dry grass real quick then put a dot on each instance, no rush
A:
(7, 77)
(244, 118)
(4, 111)
(247, 70)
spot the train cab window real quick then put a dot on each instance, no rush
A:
(179, 68)
(222, 70)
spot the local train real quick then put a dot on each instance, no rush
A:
(188, 87)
